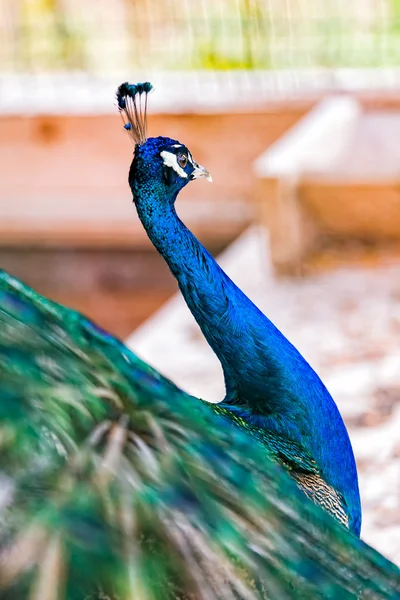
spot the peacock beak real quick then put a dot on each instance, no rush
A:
(200, 171)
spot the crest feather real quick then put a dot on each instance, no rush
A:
(133, 109)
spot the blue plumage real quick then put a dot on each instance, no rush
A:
(269, 385)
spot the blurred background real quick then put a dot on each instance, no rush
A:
(294, 107)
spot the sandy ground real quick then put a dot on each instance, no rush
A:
(347, 325)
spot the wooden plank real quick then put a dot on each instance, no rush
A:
(75, 166)
(363, 210)
(315, 142)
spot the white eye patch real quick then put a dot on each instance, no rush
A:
(190, 158)
(171, 160)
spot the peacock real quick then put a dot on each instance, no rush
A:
(115, 484)
(270, 388)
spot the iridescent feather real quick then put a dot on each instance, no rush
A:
(116, 484)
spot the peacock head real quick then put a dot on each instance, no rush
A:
(161, 167)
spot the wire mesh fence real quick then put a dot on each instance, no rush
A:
(109, 35)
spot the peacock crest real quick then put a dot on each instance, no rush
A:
(132, 105)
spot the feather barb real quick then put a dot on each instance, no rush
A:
(132, 104)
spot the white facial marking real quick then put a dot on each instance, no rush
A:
(190, 158)
(176, 146)
(170, 160)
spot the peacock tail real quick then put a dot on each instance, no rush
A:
(116, 484)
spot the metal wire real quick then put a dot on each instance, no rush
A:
(108, 35)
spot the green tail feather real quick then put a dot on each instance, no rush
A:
(116, 484)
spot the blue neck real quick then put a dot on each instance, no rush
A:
(263, 372)
(214, 300)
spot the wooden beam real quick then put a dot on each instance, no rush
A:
(312, 145)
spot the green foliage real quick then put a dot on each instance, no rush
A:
(396, 8)
(395, 24)
(116, 484)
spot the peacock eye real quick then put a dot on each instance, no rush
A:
(182, 160)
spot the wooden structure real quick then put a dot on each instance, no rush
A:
(67, 224)
(68, 227)
(332, 179)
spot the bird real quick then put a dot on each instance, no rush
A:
(270, 388)
(115, 484)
